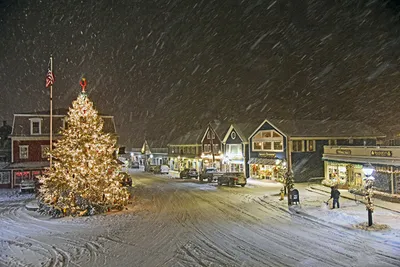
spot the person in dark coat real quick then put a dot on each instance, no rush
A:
(335, 195)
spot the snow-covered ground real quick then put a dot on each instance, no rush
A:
(174, 222)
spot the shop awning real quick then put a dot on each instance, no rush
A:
(28, 165)
(262, 161)
(361, 160)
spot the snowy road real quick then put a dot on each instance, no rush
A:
(177, 222)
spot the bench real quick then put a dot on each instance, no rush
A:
(27, 186)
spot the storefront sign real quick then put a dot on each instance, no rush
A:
(267, 155)
(381, 153)
(343, 151)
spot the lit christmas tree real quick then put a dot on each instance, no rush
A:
(84, 178)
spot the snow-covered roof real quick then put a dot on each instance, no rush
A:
(324, 128)
(190, 138)
(21, 124)
(245, 129)
(28, 165)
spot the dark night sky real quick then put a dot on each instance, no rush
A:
(166, 67)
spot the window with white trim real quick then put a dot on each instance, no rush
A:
(212, 135)
(234, 149)
(216, 148)
(233, 135)
(208, 135)
(45, 151)
(297, 145)
(23, 152)
(207, 148)
(310, 146)
(36, 126)
(268, 140)
(332, 142)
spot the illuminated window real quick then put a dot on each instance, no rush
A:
(268, 140)
(297, 145)
(36, 126)
(23, 152)
(310, 145)
(45, 151)
(233, 135)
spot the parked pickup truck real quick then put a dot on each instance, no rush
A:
(232, 179)
(210, 175)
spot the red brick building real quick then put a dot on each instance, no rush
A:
(30, 142)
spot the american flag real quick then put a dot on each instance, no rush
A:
(49, 78)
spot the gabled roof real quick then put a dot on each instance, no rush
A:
(220, 130)
(322, 128)
(190, 138)
(244, 130)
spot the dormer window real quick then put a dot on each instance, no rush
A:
(36, 126)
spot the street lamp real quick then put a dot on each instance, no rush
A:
(369, 182)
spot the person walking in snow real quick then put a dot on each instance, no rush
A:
(335, 195)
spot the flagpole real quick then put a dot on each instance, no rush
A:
(51, 113)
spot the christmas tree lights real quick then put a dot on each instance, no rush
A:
(84, 178)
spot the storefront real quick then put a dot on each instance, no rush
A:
(343, 167)
(265, 168)
(26, 171)
(343, 174)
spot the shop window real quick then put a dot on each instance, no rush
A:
(23, 152)
(45, 151)
(5, 177)
(310, 145)
(297, 146)
(35, 174)
(36, 124)
(19, 176)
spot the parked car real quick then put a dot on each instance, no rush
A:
(164, 169)
(188, 173)
(150, 168)
(161, 169)
(126, 179)
(232, 179)
(135, 165)
(210, 174)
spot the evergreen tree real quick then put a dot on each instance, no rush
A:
(85, 175)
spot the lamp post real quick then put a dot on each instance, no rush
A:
(369, 183)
